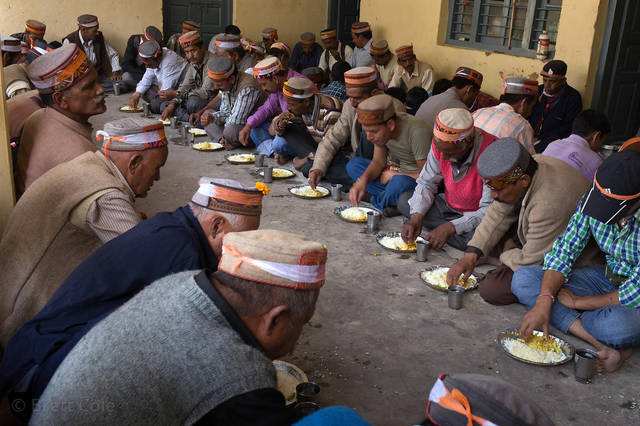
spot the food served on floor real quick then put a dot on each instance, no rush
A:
(537, 348)
(207, 146)
(242, 158)
(307, 191)
(438, 278)
(356, 214)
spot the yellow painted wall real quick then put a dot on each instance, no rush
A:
(424, 23)
(118, 18)
(290, 17)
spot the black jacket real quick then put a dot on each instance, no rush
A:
(131, 63)
(556, 122)
(103, 63)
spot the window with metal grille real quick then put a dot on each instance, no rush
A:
(503, 25)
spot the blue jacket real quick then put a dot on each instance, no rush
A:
(163, 245)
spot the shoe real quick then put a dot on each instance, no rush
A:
(391, 211)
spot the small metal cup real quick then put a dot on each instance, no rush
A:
(584, 367)
(260, 160)
(456, 295)
(307, 391)
(146, 111)
(185, 135)
(116, 88)
(373, 222)
(267, 174)
(336, 192)
(421, 250)
(174, 122)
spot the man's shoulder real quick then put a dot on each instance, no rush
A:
(556, 176)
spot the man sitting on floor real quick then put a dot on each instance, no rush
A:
(165, 71)
(73, 209)
(132, 64)
(196, 89)
(334, 50)
(399, 153)
(184, 240)
(597, 304)
(580, 150)
(269, 36)
(306, 53)
(454, 214)
(231, 46)
(173, 43)
(466, 85)
(509, 118)
(298, 130)
(386, 62)
(33, 32)
(103, 57)
(558, 105)
(347, 136)
(410, 72)
(69, 87)
(362, 37)
(14, 68)
(271, 74)
(208, 337)
(534, 198)
(239, 96)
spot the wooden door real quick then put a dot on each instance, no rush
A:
(213, 15)
(343, 13)
(617, 91)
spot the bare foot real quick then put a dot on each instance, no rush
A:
(610, 359)
(281, 160)
(299, 163)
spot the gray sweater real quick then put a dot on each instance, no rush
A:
(167, 356)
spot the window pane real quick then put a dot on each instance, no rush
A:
(493, 21)
(462, 20)
(547, 16)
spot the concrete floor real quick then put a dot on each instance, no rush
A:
(379, 336)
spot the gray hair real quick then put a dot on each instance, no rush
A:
(252, 298)
(203, 213)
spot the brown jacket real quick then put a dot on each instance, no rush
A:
(49, 138)
(46, 238)
(546, 209)
(345, 129)
(19, 109)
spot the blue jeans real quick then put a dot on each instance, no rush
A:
(261, 133)
(381, 195)
(614, 325)
(277, 145)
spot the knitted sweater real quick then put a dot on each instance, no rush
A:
(168, 356)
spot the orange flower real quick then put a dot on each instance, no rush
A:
(262, 187)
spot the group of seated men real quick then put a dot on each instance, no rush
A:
(519, 178)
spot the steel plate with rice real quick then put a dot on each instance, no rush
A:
(288, 376)
(393, 241)
(197, 132)
(436, 277)
(127, 108)
(277, 173)
(537, 350)
(308, 193)
(354, 214)
(207, 146)
(241, 158)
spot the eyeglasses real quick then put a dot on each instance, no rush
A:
(498, 184)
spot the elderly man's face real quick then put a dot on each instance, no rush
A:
(553, 85)
(408, 63)
(268, 84)
(152, 63)
(83, 99)
(144, 169)
(194, 54)
(224, 85)
(89, 33)
(299, 106)
(380, 134)
(510, 192)
(382, 59)
(454, 152)
(330, 43)
(307, 48)
(357, 95)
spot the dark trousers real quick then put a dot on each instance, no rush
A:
(495, 288)
(439, 213)
(336, 172)
(188, 107)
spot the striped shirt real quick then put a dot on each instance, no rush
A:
(502, 121)
(236, 107)
(620, 244)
